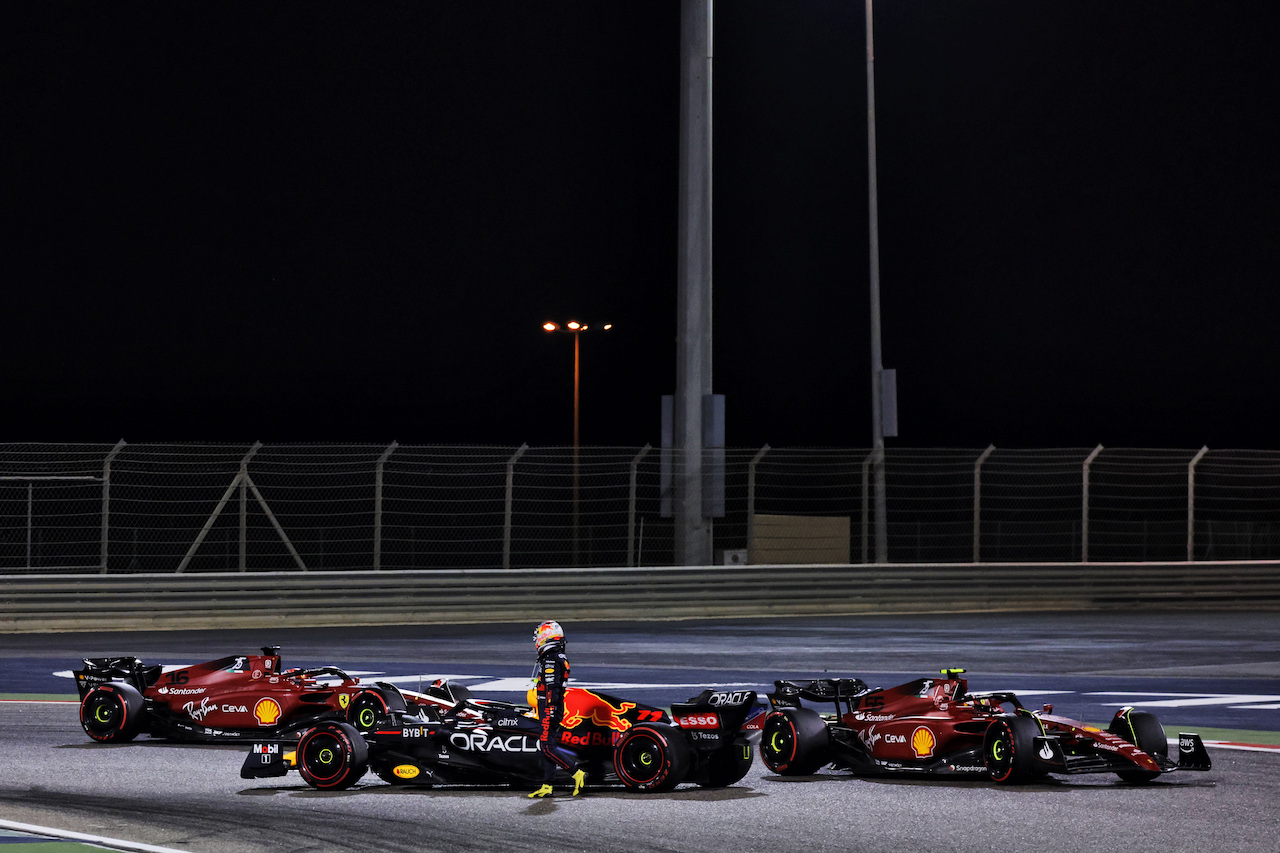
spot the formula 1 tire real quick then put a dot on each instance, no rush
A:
(727, 765)
(652, 757)
(369, 706)
(1008, 749)
(332, 756)
(112, 712)
(1144, 731)
(795, 742)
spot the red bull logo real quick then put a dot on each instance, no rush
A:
(582, 705)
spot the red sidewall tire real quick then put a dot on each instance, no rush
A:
(795, 742)
(332, 756)
(1008, 749)
(368, 706)
(112, 713)
(651, 757)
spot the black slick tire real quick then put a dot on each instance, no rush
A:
(1144, 731)
(112, 713)
(1008, 749)
(332, 756)
(652, 757)
(727, 765)
(795, 742)
(369, 706)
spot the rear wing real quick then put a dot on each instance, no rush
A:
(787, 694)
(130, 670)
(730, 709)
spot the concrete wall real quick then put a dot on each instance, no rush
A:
(264, 600)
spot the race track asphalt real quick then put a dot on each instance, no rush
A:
(1217, 670)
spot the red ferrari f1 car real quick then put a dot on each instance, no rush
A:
(935, 726)
(483, 742)
(233, 698)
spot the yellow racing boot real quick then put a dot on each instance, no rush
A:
(579, 780)
(544, 791)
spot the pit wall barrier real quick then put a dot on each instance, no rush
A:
(94, 602)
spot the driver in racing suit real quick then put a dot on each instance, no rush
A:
(551, 672)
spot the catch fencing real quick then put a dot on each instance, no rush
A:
(216, 508)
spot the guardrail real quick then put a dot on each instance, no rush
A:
(269, 600)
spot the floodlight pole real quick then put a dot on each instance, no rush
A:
(576, 329)
(877, 359)
(693, 527)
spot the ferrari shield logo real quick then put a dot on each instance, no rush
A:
(344, 699)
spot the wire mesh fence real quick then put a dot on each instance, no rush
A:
(190, 508)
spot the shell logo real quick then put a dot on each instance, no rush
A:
(923, 742)
(405, 771)
(267, 711)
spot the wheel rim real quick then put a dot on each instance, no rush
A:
(780, 743)
(642, 758)
(367, 710)
(1000, 754)
(103, 713)
(323, 756)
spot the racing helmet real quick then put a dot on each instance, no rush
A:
(546, 633)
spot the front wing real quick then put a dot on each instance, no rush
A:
(1051, 758)
(848, 753)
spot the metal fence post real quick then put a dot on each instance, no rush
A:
(30, 515)
(238, 480)
(1191, 502)
(1084, 517)
(866, 497)
(1035, 510)
(751, 502)
(977, 502)
(506, 518)
(106, 504)
(243, 482)
(377, 505)
(631, 506)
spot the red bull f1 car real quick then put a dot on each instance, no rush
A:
(481, 742)
(236, 698)
(935, 726)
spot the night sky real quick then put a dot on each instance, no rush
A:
(312, 221)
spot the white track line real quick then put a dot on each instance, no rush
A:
(113, 843)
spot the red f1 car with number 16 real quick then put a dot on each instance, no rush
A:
(935, 726)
